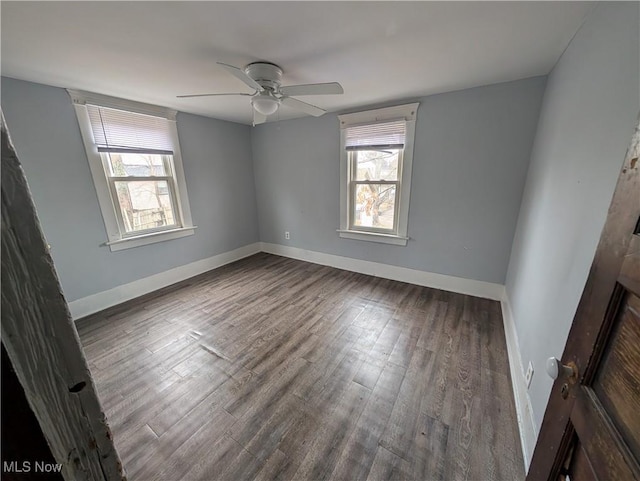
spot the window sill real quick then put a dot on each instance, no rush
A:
(152, 238)
(373, 237)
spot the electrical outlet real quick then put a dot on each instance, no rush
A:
(529, 375)
(287, 235)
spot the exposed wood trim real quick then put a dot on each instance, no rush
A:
(42, 342)
(582, 341)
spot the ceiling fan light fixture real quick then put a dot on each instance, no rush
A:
(265, 80)
(264, 104)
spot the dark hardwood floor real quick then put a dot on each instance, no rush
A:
(271, 368)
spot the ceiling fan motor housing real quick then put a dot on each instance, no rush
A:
(268, 75)
(265, 78)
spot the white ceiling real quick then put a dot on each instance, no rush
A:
(378, 51)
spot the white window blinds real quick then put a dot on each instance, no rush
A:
(122, 131)
(376, 136)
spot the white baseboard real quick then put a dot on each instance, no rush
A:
(119, 294)
(487, 290)
(526, 423)
(102, 300)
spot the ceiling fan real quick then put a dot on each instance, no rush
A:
(265, 79)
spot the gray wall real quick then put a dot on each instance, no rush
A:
(471, 156)
(470, 163)
(217, 163)
(588, 115)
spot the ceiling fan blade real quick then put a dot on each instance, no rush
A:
(211, 95)
(303, 106)
(331, 88)
(239, 74)
(258, 118)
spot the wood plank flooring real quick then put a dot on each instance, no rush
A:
(272, 368)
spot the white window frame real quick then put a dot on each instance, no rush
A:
(117, 238)
(397, 236)
(169, 178)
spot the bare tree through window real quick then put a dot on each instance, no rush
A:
(142, 187)
(375, 182)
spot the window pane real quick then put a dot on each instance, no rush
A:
(374, 205)
(136, 165)
(376, 164)
(145, 204)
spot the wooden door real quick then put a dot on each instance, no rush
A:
(43, 346)
(591, 428)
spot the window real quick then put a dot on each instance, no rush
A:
(135, 161)
(376, 158)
